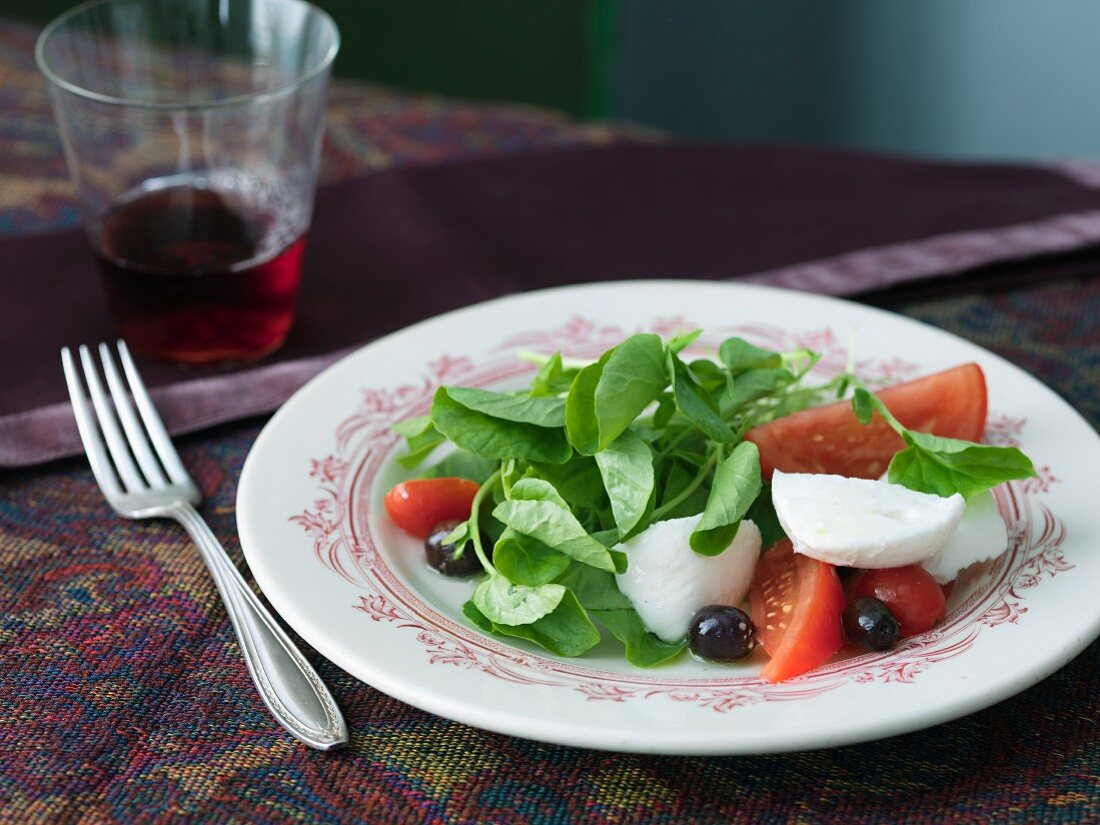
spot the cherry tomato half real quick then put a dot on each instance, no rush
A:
(796, 603)
(912, 595)
(419, 505)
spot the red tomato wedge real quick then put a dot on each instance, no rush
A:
(419, 505)
(830, 439)
(796, 603)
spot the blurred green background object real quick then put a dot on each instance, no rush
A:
(555, 53)
(950, 78)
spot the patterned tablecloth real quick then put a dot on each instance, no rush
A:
(123, 696)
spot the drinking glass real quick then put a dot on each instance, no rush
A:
(192, 130)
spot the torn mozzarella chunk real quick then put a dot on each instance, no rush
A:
(855, 522)
(668, 582)
(980, 536)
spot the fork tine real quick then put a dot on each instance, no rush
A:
(153, 425)
(89, 433)
(139, 441)
(108, 425)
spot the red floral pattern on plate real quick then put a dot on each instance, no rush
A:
(343, 541)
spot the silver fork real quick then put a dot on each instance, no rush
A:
(158, 486)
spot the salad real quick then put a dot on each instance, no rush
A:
(654, 496)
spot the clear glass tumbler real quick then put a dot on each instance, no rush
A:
(192, 130)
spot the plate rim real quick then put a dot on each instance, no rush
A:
(579, 734)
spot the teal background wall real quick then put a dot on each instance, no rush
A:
(989, 78)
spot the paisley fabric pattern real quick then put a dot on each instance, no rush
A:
(1052, 330)
(123, 697)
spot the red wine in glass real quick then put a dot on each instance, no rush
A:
(195, 275)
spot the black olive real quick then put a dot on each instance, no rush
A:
(721, 633)
(870, 624)
(442, 556)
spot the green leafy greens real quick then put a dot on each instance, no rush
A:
(593, 453)
(943, 466)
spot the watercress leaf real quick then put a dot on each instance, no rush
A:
(412, 427)
(492, 528)
(752, 386)
(463, 464)
(643, 649)
(945, 466)
(511, 471)
(843, 382)
(537, 489)
(626, 466)
(633, 376)
(863, 405)
(646, 517)
(596, 589)
(679, 477)
(553, 378)
(459, 537)
(491, 437)
(741, 356)
(416, 455)
(866, 404)
(679, 342)
(525, 560)
(542, 412)
(581, 422)
(710, 376)
(593, 522)
(648, 434)
(666, 408)
(793, 399)
(556, 526)
(480, 620)
(422, 439)
(695, 404)
(673, 480)
(627, 379)
(506, 603)
(692, 459)
(578, 481)
(685, 439)
(565, 631)
(763, 515)
(607, 537)
(735, 487)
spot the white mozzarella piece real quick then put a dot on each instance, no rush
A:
(980, 536)
(857, 522)
(668, 582)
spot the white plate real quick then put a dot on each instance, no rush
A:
(314, 532)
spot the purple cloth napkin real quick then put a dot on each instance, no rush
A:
(407, 243)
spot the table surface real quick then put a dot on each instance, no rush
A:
(125, 699)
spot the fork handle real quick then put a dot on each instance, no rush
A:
(288, 684)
